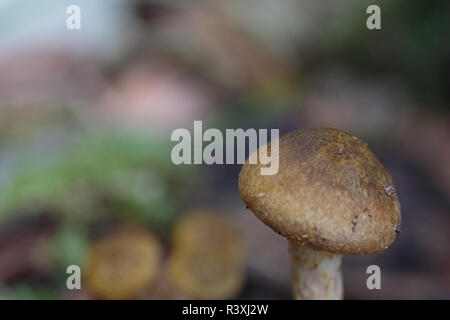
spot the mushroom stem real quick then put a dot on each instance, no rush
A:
(316, 275)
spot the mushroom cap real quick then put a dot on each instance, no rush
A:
(123, 264)
(330, 193)
(207, 259)
(200, 276)
(204, 230)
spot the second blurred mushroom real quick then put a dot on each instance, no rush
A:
(123, 264)
(207, 261)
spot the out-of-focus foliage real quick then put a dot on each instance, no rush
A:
(70, 246)
(413, 43)
(129, 174)
(24, 291)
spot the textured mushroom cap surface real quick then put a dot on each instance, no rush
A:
(330, 193)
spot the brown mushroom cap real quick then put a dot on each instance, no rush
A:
(207, 260)
(123, 264)
(200, 276)
(330, 193)
(206, 230)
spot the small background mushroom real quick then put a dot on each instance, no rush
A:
(124, 264)
(207, 258)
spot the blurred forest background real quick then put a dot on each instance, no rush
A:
(86, 117)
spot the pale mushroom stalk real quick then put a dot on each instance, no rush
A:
(316, 274)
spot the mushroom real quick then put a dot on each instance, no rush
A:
(123, 264)
(331, 196)
(207, 259)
